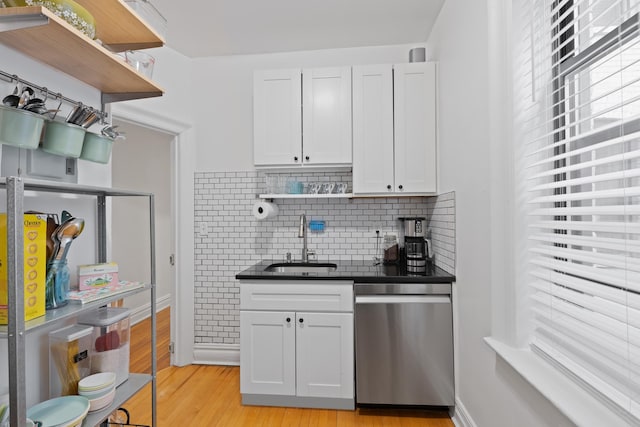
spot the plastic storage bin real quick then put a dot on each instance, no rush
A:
(150, 15)
(20, 128)
(96, 148)
(63, 139)
(110, 341)
(69, 360)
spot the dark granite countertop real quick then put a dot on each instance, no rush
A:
(357, 271)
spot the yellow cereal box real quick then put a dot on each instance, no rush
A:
(35, 250)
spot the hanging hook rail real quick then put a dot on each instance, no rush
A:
(10, 78)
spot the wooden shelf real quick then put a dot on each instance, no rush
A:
(63, 47)
(125, 29)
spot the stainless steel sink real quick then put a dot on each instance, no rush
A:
(299, 267)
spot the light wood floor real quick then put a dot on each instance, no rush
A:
(199, 395)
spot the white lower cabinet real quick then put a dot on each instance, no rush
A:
(302, 357)
(267, 357)
(324, 354)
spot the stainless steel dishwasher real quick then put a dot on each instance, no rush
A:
(404, 344)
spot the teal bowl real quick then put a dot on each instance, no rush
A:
(63, 139)
(20, 128)
(96, 148)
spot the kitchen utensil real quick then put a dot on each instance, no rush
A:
(141, 61)
(26, 95)
(12, 99)
(75, 113)
(111, 132)
(57, 280)
(66, 233)
(65, 216)
(90, 119)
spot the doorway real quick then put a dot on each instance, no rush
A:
(144, 162)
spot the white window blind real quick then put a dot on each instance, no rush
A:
(578, 117)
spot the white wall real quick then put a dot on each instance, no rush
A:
(225, 97)
(130, 218)
(487, 389)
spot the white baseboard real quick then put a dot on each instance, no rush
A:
(140, 313)
(461, 417)
(216, 354)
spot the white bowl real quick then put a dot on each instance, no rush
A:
(96, 394)
(97, 382)
(102, 402)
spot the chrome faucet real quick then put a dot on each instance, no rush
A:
(302, 234)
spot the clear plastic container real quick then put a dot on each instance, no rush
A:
(69, 359)
(141, 61)
(148, 13)
(110, 341)
(57, 283)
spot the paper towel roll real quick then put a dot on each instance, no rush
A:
(263, 210)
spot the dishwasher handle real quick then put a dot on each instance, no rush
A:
(403, 299)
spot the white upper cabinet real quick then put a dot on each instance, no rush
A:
(277, 117)
(373, 129)
(326, 118)
(394, 129)
(415, 127)
(302, 117)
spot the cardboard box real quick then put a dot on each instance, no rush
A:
(97, 275)
(35, 268)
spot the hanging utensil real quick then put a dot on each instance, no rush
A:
(13, 99)
(26, 95)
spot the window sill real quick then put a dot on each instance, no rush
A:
(573, 401)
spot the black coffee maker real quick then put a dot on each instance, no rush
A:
(417, 249)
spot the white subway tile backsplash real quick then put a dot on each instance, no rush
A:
(235, 239)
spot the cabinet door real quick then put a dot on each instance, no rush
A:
(277, 117)
(373, 129)
(415, 127)
(326, 118)
(324, 349)
(267, 353)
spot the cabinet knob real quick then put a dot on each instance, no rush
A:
(295, 158)
(307, 158)
(389, 187)
(288, 319)
(400, 187)
(301, 320)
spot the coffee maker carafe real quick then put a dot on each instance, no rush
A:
(416, 248)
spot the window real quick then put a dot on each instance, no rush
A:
(580, 116)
